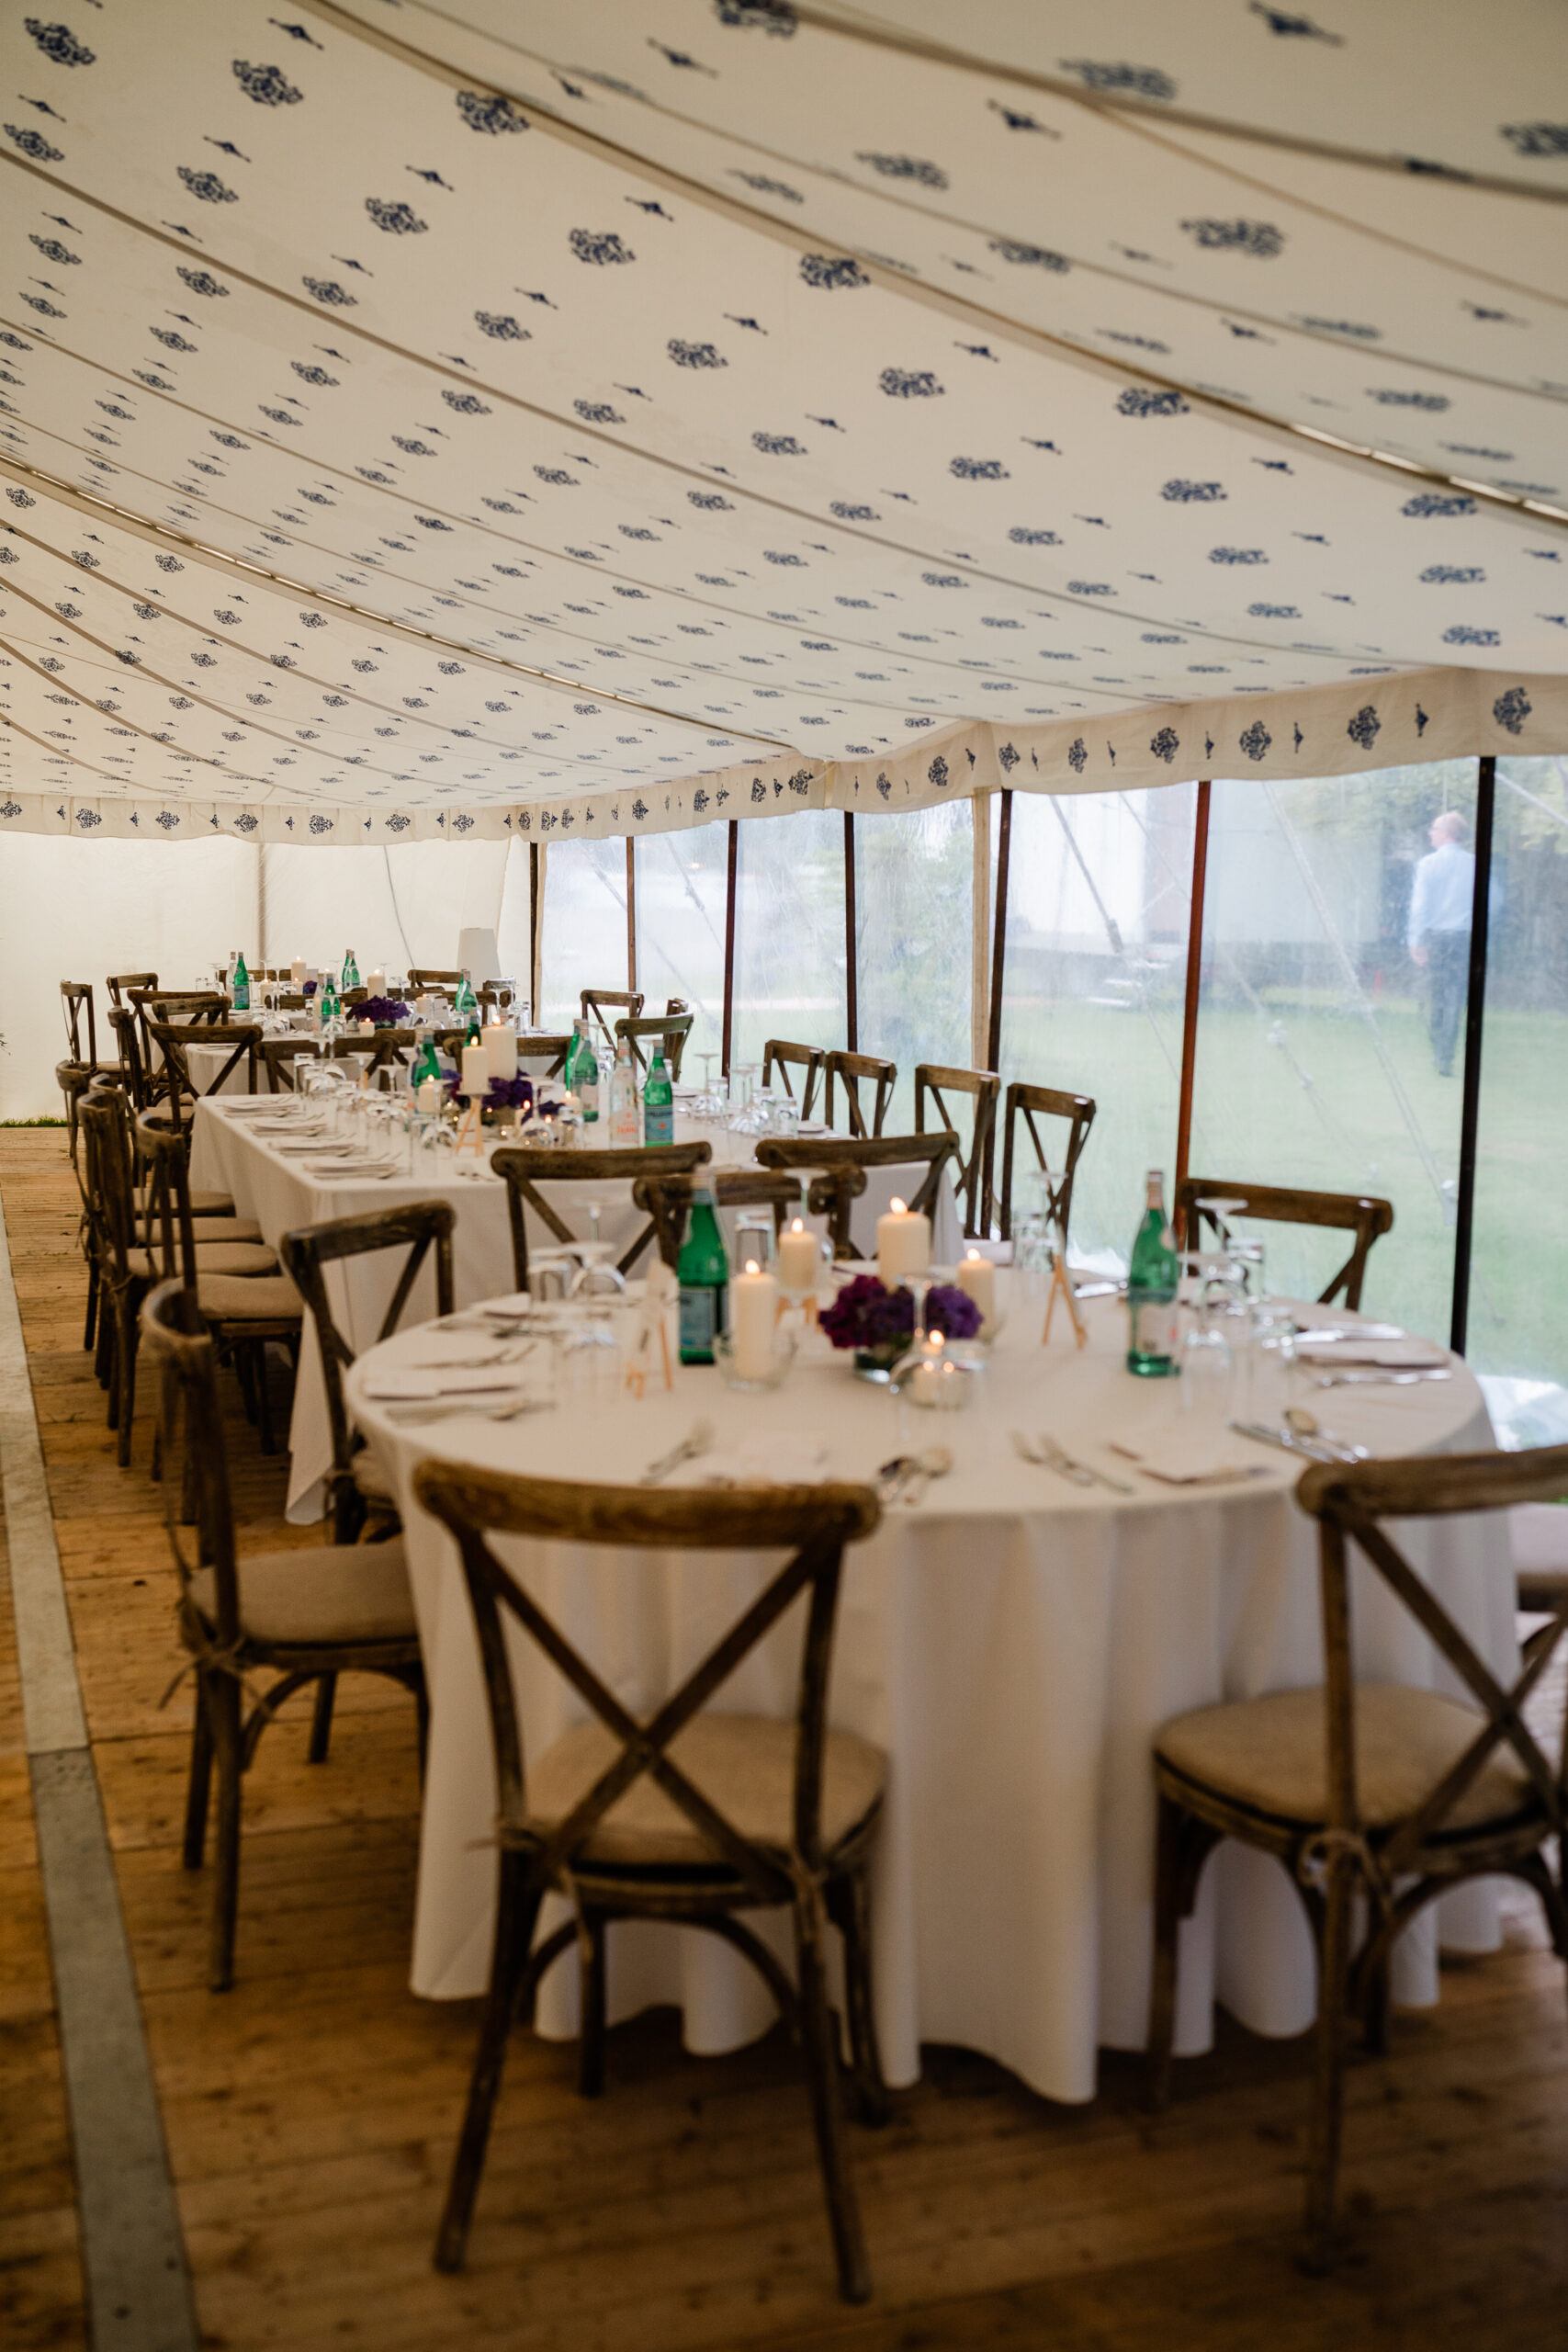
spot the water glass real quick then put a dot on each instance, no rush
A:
(1272, 1364)
(755, 1240)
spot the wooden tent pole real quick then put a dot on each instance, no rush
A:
(1194, 971)
(729, 1029)
(1474, 1016)
(994, 1009)
(535, 913)
(631, 912)
(851, 990)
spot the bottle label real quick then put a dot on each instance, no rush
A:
(588, 1092)
(1153, 1325)
(701, 1314)
(659, 1121)
(241, 996)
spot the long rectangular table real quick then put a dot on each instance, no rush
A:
(282, 1194)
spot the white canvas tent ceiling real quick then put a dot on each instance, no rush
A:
(427, 421)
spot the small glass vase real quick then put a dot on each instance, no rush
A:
(876, 1364)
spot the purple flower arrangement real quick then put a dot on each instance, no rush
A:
(867, 1316)
(510, 1094)
(385, 1012)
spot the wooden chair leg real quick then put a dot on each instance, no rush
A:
(225, 1691)
(1329, 2090)
(263, 1398)
(593, 1934)
(243, 1374)
(850, 1909)
(818, 2034)
(321, 1720)
(199, 1780)
(92, 1303)
(518, 1908)
(125, 1387)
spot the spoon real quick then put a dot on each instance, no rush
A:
(932, 1462)
(1307, 1424)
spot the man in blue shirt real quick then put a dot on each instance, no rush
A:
(1438, 932)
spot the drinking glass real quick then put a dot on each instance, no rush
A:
(707, 1104)
(742, 1081)
(597, 1279)
(589, 1349)
(755, 1238)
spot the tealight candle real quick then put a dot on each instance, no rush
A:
(427, 1099)
(798, 1261)
(978, 1278)
(903, 1243)
(501, 1044)
(476, 1073)
(754, 1311)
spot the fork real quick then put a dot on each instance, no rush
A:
(1082, 1472)
(697, 1440)
(1029, 1452)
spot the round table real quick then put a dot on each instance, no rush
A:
(1012, 1642)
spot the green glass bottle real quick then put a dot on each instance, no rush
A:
(465, 999)
(703, 1272)
(350, 973)
(426, 1063)
(581, 1072)
(657, 1102)
(331, 1008)
(1151, 1290)
(242, 984)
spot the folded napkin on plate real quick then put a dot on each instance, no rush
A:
(760, 1462)
(393, 1385)
(1196, 1460)
(1389, 1356)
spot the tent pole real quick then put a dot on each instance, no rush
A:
(1194, 972)
(729, 943)
(535, 910)
(631, 912)
(994, 1005)
(1475, 1021)
(980, 923)
(851, 991)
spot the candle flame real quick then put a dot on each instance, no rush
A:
(897, 1208)
(973, 1258)
(751, 1265)
(797, 1226)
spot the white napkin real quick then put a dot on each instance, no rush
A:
(1204, 1459)
(391, 1385)
(1391, 1355)
(798, 1459)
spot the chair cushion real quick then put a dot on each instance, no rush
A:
(220, 1229)
(372, 1480)
(744, 1764)
(201, 1203)
(235, 1298)
(1272, 1755)
(321, 1593)
(213, 1258)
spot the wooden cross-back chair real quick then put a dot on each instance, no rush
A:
(1028, 1104)
(278, 1057)
(669, 1030)
(302, 1614)
(526, 1167)
(1368, 1791)
(837, 1165)
(971, 1177)
(245, 1301)
(118, 982)
(152, 1005)
(132, 1060)
(600, 1004)
(668, 1200)
(357, 1484)
(783, 1055)
(172, 1037)
(694, 1816)
(1363, 1215)
(76, 1003)
(425, 976)
(849, 1069)
(73, 1080)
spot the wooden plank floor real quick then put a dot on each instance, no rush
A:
(311, 2111)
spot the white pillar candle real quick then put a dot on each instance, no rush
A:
(903, 1243)
(427, 1101)
(501, 1044)
(977, 1276)
(475, 1072)
(798, 1261)
(297, 971)
(754, 1311)
(376, 983)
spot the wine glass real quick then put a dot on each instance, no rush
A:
(707, 1104)
(597, 1278)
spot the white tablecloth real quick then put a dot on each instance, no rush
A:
(281, 1194)
(1012, 1643)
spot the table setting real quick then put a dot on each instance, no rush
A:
(1068, 1557)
